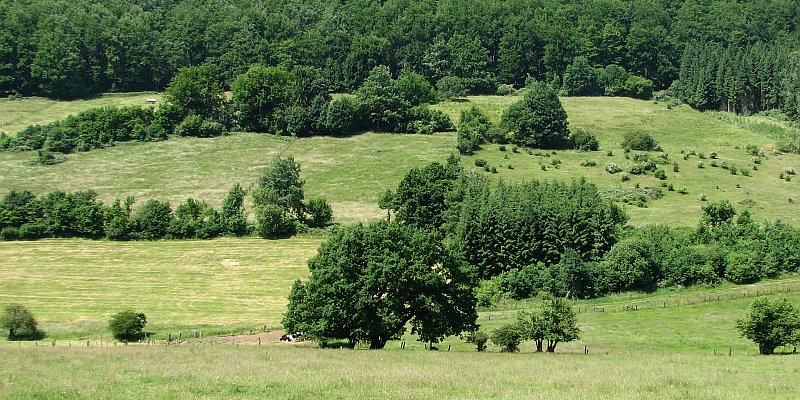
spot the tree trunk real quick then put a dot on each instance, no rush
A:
(377, 343)
(539, 345)
(551, 346)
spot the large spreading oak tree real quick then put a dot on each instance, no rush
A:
(369, 281)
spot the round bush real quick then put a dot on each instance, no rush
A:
(127, 325)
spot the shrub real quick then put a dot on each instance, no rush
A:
(504, 90)
(478, 338)
(20, 323)
(508, 338)
(638, 141)
(745, 172)
(714, 163)
(675, 167)
(713, 155)
(733, 169)
(588, 163)
(584, 140)
(740, 268)
(613, 168)
(789, 171)
(660, 174)
(609, 153)
(625, 177)
(479, 162)
(502, 148)
(127, 325)
(700, 164)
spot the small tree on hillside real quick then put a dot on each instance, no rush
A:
(538, 120)
(20, 323)
(127, 325)
(770, 323)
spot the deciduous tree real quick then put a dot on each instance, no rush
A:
(369, 281)
(771, 324)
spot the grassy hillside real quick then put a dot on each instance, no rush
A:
(74, 286)
(351, 172)
(676, 349)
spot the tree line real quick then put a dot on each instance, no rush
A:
(279, 207)
(73, 48)
(563, 239)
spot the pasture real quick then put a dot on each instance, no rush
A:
(351, 172)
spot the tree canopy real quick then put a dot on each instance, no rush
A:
(538, 120)
(368, 281)
(771, 324)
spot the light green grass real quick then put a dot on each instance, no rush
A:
(351, 172)
(74, 286)
(15, 115)
(290, 372)
(677, 129)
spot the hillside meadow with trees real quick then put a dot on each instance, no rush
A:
(519, 241)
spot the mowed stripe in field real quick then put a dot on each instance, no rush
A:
(219, 282)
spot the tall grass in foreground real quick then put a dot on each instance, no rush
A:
(290, 372)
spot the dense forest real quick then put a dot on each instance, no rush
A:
(725, 54)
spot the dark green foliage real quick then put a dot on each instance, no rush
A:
(281, 185)
(44, 157)
(473, 127)
(638, 141)
(368, 282)
(260, 95)
(196, 219)
(580, 79)
(233, 212)
(516, 226)
(555, 323)
(380, 102)
(451, 88)
(91, 129)
(420, 197)
(415, 88)
(152, 221)
(20, 323)
(584, 140)
(196, 90)
(127, 325)
(741, 269)
(538, 120)
(508, 337)
(320, 212)
(718, 213)
(627, 266)
(195, 125)
(770, 324)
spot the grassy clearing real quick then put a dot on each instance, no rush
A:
(15, 115)
(74, 286)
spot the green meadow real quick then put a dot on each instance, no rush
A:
(667, 344)
(351, 172)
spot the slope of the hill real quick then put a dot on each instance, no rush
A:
(351, 172)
